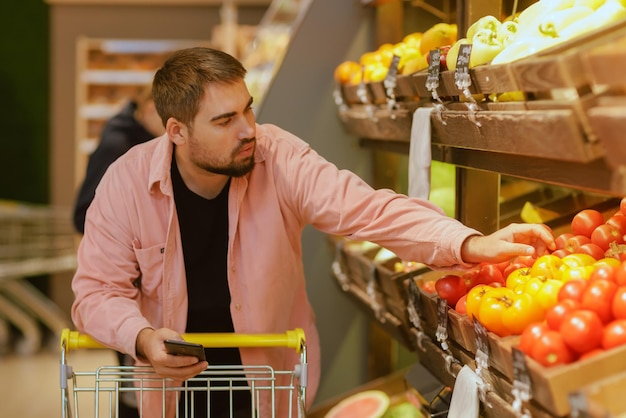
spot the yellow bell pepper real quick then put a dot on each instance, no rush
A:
(610, 12)
(553, 23)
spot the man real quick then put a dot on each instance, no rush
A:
(200, 229)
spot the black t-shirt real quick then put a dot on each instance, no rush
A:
(204, 234)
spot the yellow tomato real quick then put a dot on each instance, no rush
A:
(547, 266)
(579, 272)
(608, 261)
(518, 277)
(545, 291)
(577, 260)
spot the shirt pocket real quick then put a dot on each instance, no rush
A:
(150, 262)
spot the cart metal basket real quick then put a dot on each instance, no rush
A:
(96, 393)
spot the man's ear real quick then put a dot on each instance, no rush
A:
(177, 131)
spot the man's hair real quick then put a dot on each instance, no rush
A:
(178, 86)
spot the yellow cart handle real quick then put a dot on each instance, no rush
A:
(294, 339)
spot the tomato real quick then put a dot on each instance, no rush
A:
(577, 260)
(450, 288)
(428, 287)
(488, 273)
(590, 354)
(572, 289)
(527, 260)
(598, 297)
(545, 291)
(561, 253)
(547, 266)
(591, 249)
(522, 310)
(518, 277)
(619, 222)
(614, 334)
(550, 350)
(607, 261)
(555, 315)
(585, 221)
(605, 272)
(461, 305)
(561, 241)
(511, 268)
(491, 310)
(605, 234)
(474, 299)
(530, 335)
(622, 206)
(618, 304)
(574, 243)
(620, 274)
(616, 251)
(582, 272)
(582, 330)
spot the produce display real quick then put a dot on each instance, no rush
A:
(566, 305)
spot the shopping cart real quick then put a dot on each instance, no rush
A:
(96, 393)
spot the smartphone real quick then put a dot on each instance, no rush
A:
(185, 348)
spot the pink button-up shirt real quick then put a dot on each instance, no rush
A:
(130, 261)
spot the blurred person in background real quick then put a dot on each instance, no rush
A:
(200, 230)
(137, 122)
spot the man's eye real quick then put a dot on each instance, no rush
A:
(225, 122)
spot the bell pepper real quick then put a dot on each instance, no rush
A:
(489, 23)
(528, 17)
(610, 12)
(524, 47)
(507, 32)
(485, 46)
(553, 23)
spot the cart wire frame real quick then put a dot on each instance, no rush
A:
(107, 384)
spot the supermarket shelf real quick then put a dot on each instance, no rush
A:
(594, 176)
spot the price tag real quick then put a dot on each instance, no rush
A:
(461, 73)
(432, 80)
(520, 371)
(392, 74)
(414, 303)
(482, 341)
(578, 405)
(442, 323)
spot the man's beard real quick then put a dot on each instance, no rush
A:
(234, 169)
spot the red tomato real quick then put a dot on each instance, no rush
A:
(605, 234)
(488, 273)
(572, 289)
(591, 249)
(618, 304)
(550, 349)
(605, 272)
(561, 253)
(530, 335)
(620, 274)
(590, 354)
(555, 315)
(574, 243)
(582, 330)
(619, 222)
(561, 240)
(527, 260)
(429, 287)
(450, 288)
(598, 297)
(614, 334)
(585, 221)
(461, 305)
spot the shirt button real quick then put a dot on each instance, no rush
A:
(238, 307)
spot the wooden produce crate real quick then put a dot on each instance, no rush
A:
(604, 398)
(378, 122)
